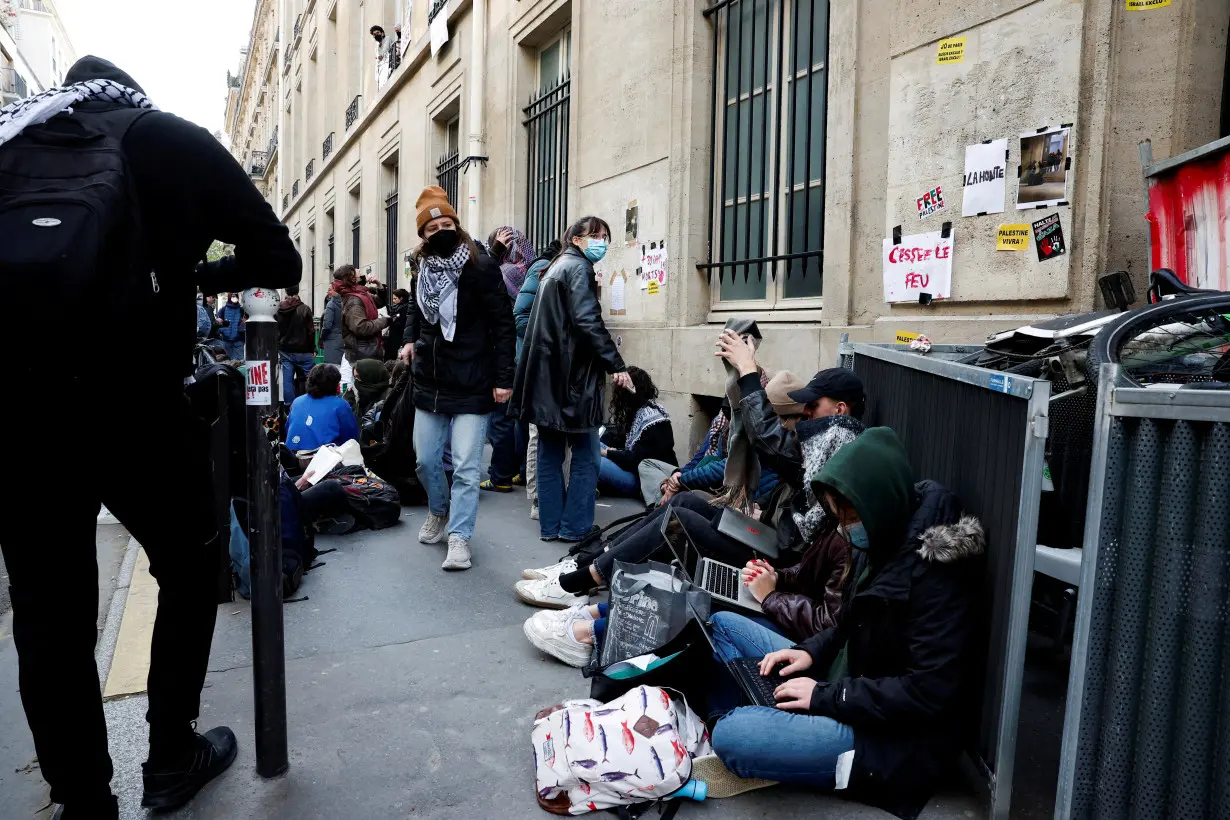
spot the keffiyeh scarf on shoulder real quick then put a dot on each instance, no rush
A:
(17, 117)
(649, 415)
(715, 439)
(437, 288)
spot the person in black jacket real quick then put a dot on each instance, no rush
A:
(560, 376)
(461, 337)
(296, 341)
(639, 429)
(399, 309)
(880, 701)
(188, 191)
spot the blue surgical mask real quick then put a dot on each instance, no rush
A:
(856, 534)
(595, 250)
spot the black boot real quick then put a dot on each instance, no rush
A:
(170, 784)
(109, 809)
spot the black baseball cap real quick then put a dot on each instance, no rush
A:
(837, 384)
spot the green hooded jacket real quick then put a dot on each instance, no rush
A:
(873, 473)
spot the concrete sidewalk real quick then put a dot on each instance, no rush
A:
(411, 691)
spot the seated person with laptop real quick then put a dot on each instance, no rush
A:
(876, 701)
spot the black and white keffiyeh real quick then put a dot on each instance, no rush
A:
(650, 414)
(437, 289)
(18, 116)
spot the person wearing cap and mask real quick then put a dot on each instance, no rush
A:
(187, 191)
(831, 392)
(461, 339)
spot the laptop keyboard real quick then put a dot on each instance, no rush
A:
(762, 685)
(723, 580)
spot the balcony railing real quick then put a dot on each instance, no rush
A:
(435, 9)
(285, 201)
(298, 25)
(352, 111)
(388, 62)
(273, 143)
(13, 83)
(259, 164)
(294, 189)
(327, 147)
(309, 170)
(34, 5)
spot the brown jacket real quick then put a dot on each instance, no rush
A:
(807, 599)
(360, 335)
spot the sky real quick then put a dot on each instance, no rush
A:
(179, 51)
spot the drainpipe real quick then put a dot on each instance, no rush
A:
(477, 146)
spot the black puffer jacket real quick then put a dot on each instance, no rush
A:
(457, 377)
(906, 629)
(567, 351)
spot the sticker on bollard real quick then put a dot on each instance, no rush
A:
(260, 389)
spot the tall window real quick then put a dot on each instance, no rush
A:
(354, 242)
(766, 225)
(447, 170)
(546, 123)
(390, 231)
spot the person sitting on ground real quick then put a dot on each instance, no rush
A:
(320, 416)
(831, 391)
(371, 384)
(706, 470)
(877, 701)
(642, 429)
(798, 601)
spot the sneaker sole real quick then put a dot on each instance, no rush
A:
(456, 567)
(558, 654)
(507, 488)
(177, 798)
(440, 539)
(532, 575)
(722, 782)
(525, 599)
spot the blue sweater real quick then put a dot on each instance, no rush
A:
(314, 423)
(524, 305)
(710, 475)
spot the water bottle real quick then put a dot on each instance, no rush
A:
(694, 790)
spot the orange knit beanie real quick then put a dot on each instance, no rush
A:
(432, 204)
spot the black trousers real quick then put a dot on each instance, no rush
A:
(155, 477)
(644, 541)
(326, 500)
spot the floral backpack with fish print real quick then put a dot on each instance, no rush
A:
(590, 756)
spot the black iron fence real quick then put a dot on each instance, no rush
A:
(309, 170)
(390, 245)
(326, 147)
(546, 124)
(352, 111)
(766, 209)
(448, 172)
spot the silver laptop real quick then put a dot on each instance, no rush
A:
(722, 581)
(749, 532)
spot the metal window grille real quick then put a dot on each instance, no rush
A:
(331, 259)
(448, 172)
(309, 170)
(294, 188)
(390, 239)
(766, 209)
(352, 111)
(326, 147)
(298, 25)
(354, 242)
(546, 124)
(285, 201)
(312, 268)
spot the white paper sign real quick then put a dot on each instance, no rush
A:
(653, 266)
(439, 30)
(919, 264)
(618, 296)
(260, 387)
(986, 165)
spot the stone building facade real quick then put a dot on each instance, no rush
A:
(770, 147)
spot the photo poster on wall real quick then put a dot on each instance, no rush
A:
(986, 171)
(1045, 171)
(918, 268)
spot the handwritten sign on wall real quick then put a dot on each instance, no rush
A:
(917, 265)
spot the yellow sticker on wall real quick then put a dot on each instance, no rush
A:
(1146, 5)
(1012, 237)
(951, 50)
(653, 287)
(904, 337)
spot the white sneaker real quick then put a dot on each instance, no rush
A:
(553, 634)
(434, 529)
(553, 571)
(547, 593)
(534, 511)
(458, 554)
(576, 612)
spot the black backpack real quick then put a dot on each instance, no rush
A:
(70, 221)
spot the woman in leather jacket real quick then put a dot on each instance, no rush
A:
(561, 377)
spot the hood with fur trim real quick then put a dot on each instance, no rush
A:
(949, 543)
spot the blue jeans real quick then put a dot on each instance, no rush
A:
(234, 349)
(756, 741)
(431, 434)
(615, 480)
(738, 636)
(304, 361)
(566, 514)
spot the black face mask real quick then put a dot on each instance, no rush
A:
(442, 242)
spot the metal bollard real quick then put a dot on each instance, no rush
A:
(265, 534)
